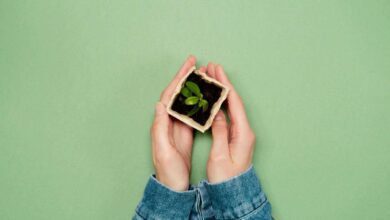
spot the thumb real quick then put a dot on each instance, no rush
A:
(220, 133)
(160, 128)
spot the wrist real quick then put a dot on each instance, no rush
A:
(221, 173)
(175, 185)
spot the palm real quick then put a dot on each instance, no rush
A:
(233, 142)
(172, 140)
(181, 139)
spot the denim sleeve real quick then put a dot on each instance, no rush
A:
(240, 197)
(161, 202)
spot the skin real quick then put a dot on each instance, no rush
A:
(233, 144)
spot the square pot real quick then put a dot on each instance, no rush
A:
(212, 91)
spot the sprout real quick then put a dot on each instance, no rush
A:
(194, 97)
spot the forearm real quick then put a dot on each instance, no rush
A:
(240, 197)
(161, 202)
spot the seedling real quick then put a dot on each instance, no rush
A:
(194, 97)
(197, 99)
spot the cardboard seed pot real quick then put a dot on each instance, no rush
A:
(212, 91)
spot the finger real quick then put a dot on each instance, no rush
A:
(220, 132)
(183, 138)
(166, 94)
(160, 128)
(236, 108)
(203, 69)
(211, 69)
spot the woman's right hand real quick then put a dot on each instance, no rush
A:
(172, 140)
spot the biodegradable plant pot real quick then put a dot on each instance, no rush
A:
(196, 105)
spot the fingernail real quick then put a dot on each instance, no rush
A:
(160, 108)
(191, 57)
(219, 116)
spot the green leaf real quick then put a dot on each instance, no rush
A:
(205, 105)
(185, 92)
(201, 102)
(193, 87)
(193, 111)
(191, 100)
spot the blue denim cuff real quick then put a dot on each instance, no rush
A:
(161, 202)
(238, 196)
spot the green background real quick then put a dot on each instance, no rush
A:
(79, 80)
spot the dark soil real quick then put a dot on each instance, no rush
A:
(211, 92)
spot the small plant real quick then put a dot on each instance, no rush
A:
(197, 99)
(194, 97)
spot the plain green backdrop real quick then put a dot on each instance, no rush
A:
(79, 81)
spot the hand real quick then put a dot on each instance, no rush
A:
(232, 148)
(172, 140)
